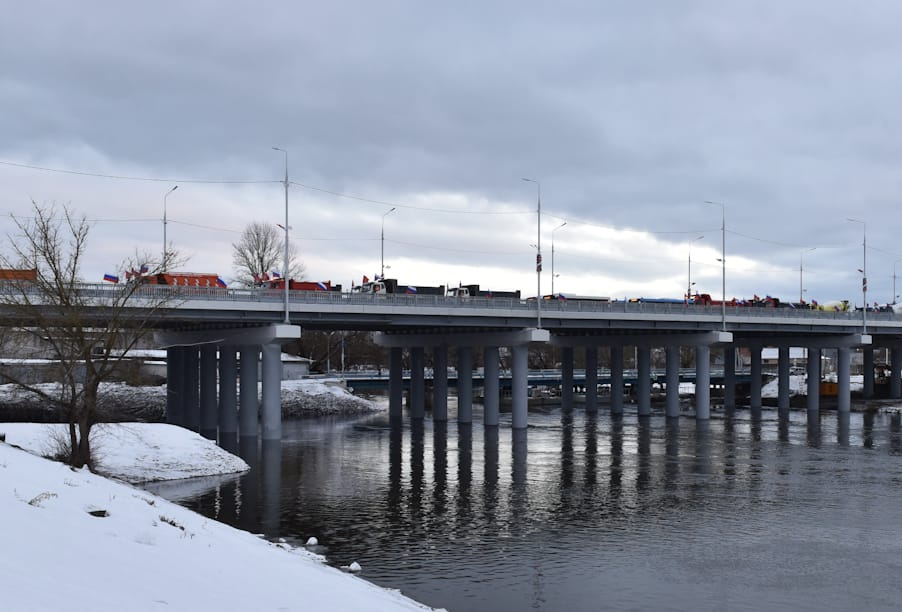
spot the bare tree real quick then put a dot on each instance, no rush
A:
(84, 328)
(260, 251)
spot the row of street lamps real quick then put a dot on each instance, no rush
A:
(538, 245)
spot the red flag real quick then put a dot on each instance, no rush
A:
(365, 279)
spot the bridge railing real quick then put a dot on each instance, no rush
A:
(187, 294)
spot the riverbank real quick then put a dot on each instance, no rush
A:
(77, 540)
(121, 402)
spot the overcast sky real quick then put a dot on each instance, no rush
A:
(630, 114)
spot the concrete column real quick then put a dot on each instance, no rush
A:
(755, 387)
(519, 386)
(702, 382)
(249, 406)
(209, 403)
(814, 378)
(567, 376)
(271, 418)
(867, 354)
(191, 396)
(729, 377)
(644, 382)
(895, 381)
(440, 383)
(616, 380)
(175, 385)
(228, 390)
(843, 370)
(417, 383)
(464, 384)
(783, 381)
(673, 381)
(395, 383)
(491, 389)
(591, 379)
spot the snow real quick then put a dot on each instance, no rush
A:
(139, 552)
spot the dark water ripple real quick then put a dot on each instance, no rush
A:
(584, 512)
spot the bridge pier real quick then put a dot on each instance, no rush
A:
(191, 396)
(591, 378)
(755, 386)
(844, 397)
(271, 418)
(895, 381)
(519, 386)
(228, 391)
(729, 377)
(248, 404)
(209, 405)
(440, 383)
(417, 399)
(783, 373)
(672, 376)
(814, 378)
(464, 384)
(702, 382)
(395, 383)
(868, 365)
(643, 373)
(491, 388)
(567, 376)
(175, 385)
(617, 379)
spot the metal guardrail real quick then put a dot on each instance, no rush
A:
(183, 296)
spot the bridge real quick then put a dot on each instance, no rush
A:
(206, 329)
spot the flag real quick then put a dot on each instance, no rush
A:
(377, 277)
(144, 269)
(275, 274)
(264, 276)
(128, 275)
(365, 279)
(256, 278)
(111, 278)
(220, 282)
(322, 285)
(411, 289)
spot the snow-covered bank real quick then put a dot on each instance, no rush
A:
(73, 540)
(119, 401)
(134, 452)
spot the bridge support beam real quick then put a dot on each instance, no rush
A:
(395, 383)
(228, 391)
(440, 383)
(843, 369)
(417, 383)
(814, 379)
(895, 381)
(271, 418)
(867, 358)
(567, 377)
(617, 379)
(702, 382)
(175, 385)
(519, 386)
(729, 377)
(643, 373)
(591, 378)
(464, 384)
(783, 381)
(209, 404)
(249, 405)
(755, 386)
(673, 381)
(491, 388)
(191, 396)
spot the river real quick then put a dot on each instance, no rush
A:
(589, 512)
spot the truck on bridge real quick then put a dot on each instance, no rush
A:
(392, 287)
(467, 291)
(293, 285)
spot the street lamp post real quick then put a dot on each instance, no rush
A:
(552, 255)
(165, 249)
(864, 273)
(689, 276)
(723, 263)
(285, 275)
(801, 287)
(894, 280)
(382, 273)
(538, 251)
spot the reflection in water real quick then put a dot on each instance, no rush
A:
(706, 505)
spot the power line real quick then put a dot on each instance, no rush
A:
(133, 178)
